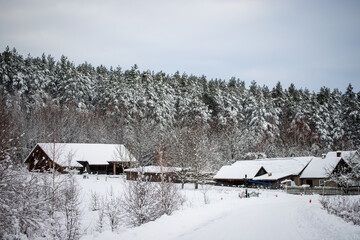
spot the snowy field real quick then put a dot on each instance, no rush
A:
(272, 215)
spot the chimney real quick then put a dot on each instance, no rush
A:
(323, 156)
(338, 154)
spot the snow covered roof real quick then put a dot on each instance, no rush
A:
(346, 155)
(94, 154)
(153, 169)
(278, 167)
(319, 167)
(283, 167)
(238, 170)
(271, 177)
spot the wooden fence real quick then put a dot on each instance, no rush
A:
(322, 190)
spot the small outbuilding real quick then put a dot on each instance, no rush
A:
(153, 173)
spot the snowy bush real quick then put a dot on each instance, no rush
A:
(109, 209)
(144, 201)
(205, 188)
(23, 208)
(31, 207)
(112, 210)
(139, 202)
(101, 214)
(95, 201)
(169, 196)
(71, 209)
(346, 207)
(62, 205)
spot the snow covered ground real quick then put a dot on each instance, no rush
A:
(273, 215)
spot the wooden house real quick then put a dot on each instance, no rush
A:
(269, 171)
(45, 156)
(282, 169)
(239, 173)
(92, 158)
(319, 169)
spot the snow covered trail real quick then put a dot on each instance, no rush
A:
(274, 215)
(258, 220)
(287, 218)
(267, 217)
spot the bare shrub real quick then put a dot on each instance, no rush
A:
(101, 214)
(140, 202)
(95, 201)
(170, 197)
(346, 207)
(71, 209)
(113, 210)
(205, 188)
(22, 208)
(144, 201)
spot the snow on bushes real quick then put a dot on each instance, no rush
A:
(136, 203)
(346, 207)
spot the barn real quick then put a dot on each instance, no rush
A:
(92, 158)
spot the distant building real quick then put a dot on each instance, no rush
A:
(268, 171)
(92, 158)
(153, 173)
(320, 169)
(239, 173)
(282, 169)
(272, 172)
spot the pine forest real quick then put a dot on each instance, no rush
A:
(45, 99)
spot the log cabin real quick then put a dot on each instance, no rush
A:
(91, 158)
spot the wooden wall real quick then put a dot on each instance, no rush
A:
(39, 160)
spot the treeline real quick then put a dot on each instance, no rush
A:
(50, 98)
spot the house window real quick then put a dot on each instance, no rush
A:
(321, 182)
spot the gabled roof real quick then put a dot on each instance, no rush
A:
(321, 167)
(70, 154)
(153, 169)
(239, 170)
(278, 167)
(271, 177)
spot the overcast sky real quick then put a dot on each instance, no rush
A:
(309, 43)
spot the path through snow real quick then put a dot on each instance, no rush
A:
(283, 218)
(266, 217)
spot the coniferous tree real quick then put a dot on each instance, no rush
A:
(351, 116)
(96, 104)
